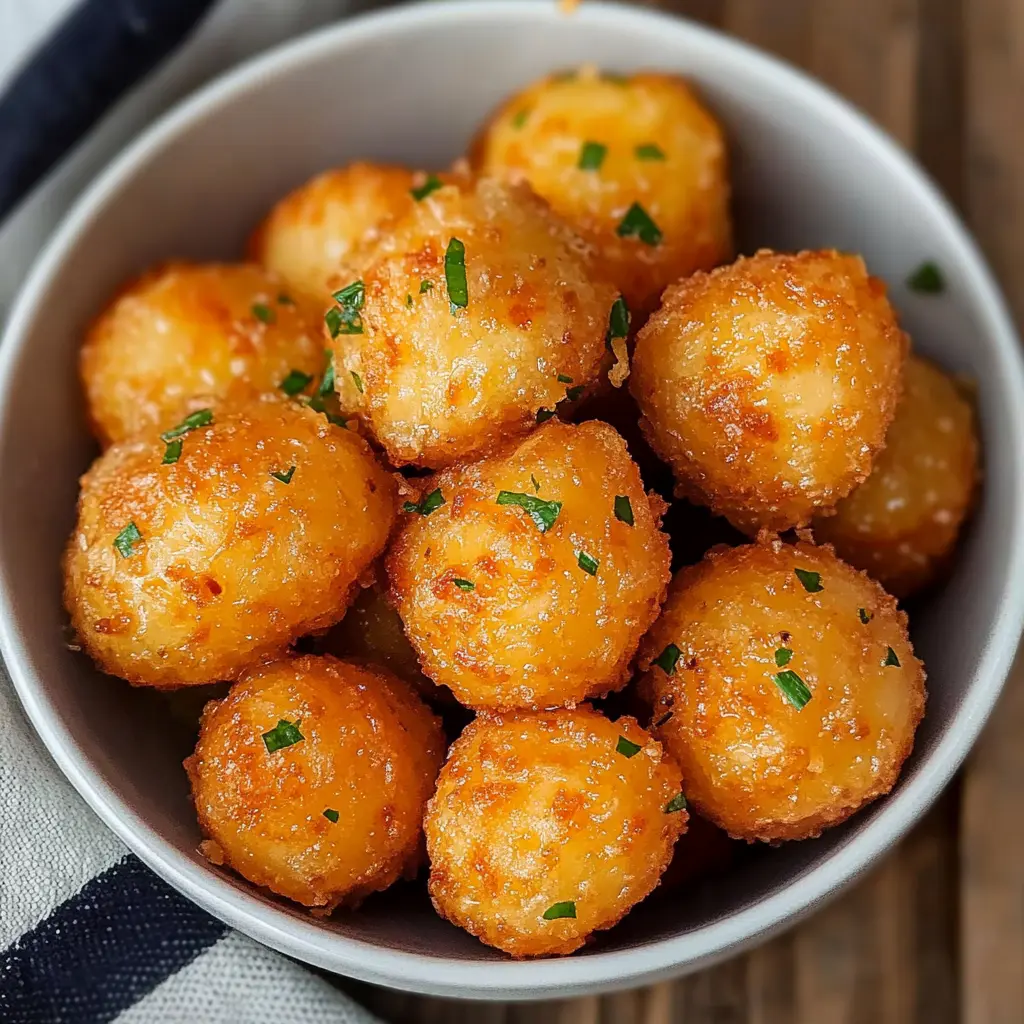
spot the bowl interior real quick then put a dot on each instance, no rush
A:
(412, 86)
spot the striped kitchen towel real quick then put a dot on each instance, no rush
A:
(88, 934)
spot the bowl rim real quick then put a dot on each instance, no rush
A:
(647, 962)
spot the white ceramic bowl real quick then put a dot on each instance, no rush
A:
(411, 85)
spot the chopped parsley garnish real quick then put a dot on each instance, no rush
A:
(649, 151)
(285, 300)
(263, 313)
(519, 118)
(332, 815)
(664, 718)
(463, 584)
(345, 317)
(431, 503)
(810, 580)
(286, 477)
(565, 909)
(677, 803)
(890, 658)
(623, 509)
(586, 563)
(455, 275)
(172, 452)
(284, 734)
(668, 659)
(543, 415)
(426, 285)
(327, 381)
(618, 320)
(627, 748)
(126, 540)
(408, 301)
(564, 379)
(927, 279)
(783, 656)
(295, 382)
(193, 421)
(571, 394)
(638, 224)
(536, 486)
(793, 688)
(357, 380)
(863, 615)
(543, 513)
(591, 156)
(317, 404)
(432, 184)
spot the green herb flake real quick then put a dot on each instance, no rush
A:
(623, 509)
(327, 381)
(519, 118)
(536, 485)
(346, 318)
(927, 279)
(431, 503)
(295, 382)
(592, 155)
(677, 803)
(408, 301)
(586, 563)
(358, 381)
(649, 151)
(455, 275)
(172, 452)
(564, 379)
(862, 614)
(464, 584)
(286, 477)
(810, 580)
(783, 656)
(618, 320)
(432, 184)
(425, 286)
(263, 313)
(627, 748)
(285, 300)
(543, 513)
(557, 910)
(571, 394)
(890, 658)
(194, 420)
(793, 688)
(126, 540)
(638, 224)
(668, 659)
(332, 815)
(284, 734)
(664, 718)
(543, 415)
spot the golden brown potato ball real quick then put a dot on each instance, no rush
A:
(185, 336)
(547, 827)
(308, 234)
(901, 524)
(195, 558)
(312, 777)
(471, 317)
(785, 686)
(527, 579)
(636, 164)
(768, 385)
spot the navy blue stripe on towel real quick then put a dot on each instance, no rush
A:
(96, 54)
(102, 950)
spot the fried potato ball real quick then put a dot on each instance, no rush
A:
(768, 385)
(312, 776)
(185, 336)
(528, 578)
(195, 559)
(636, 164)
(307, 235)
(471, 314)
(901, 524)
(785, 686)
(547, 827)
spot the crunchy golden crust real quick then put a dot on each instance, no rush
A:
(532, 628)
(233, 564)
(534, 809)
(539, 135)
(901, 524)
(309, 233)
(752, 762)
(768, 385)
(370, 751)
(438, 383)
(184, 336)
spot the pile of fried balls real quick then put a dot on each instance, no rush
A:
(370, 479)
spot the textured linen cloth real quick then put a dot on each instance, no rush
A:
(87, 933)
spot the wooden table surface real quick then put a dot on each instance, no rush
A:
(936, 934)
